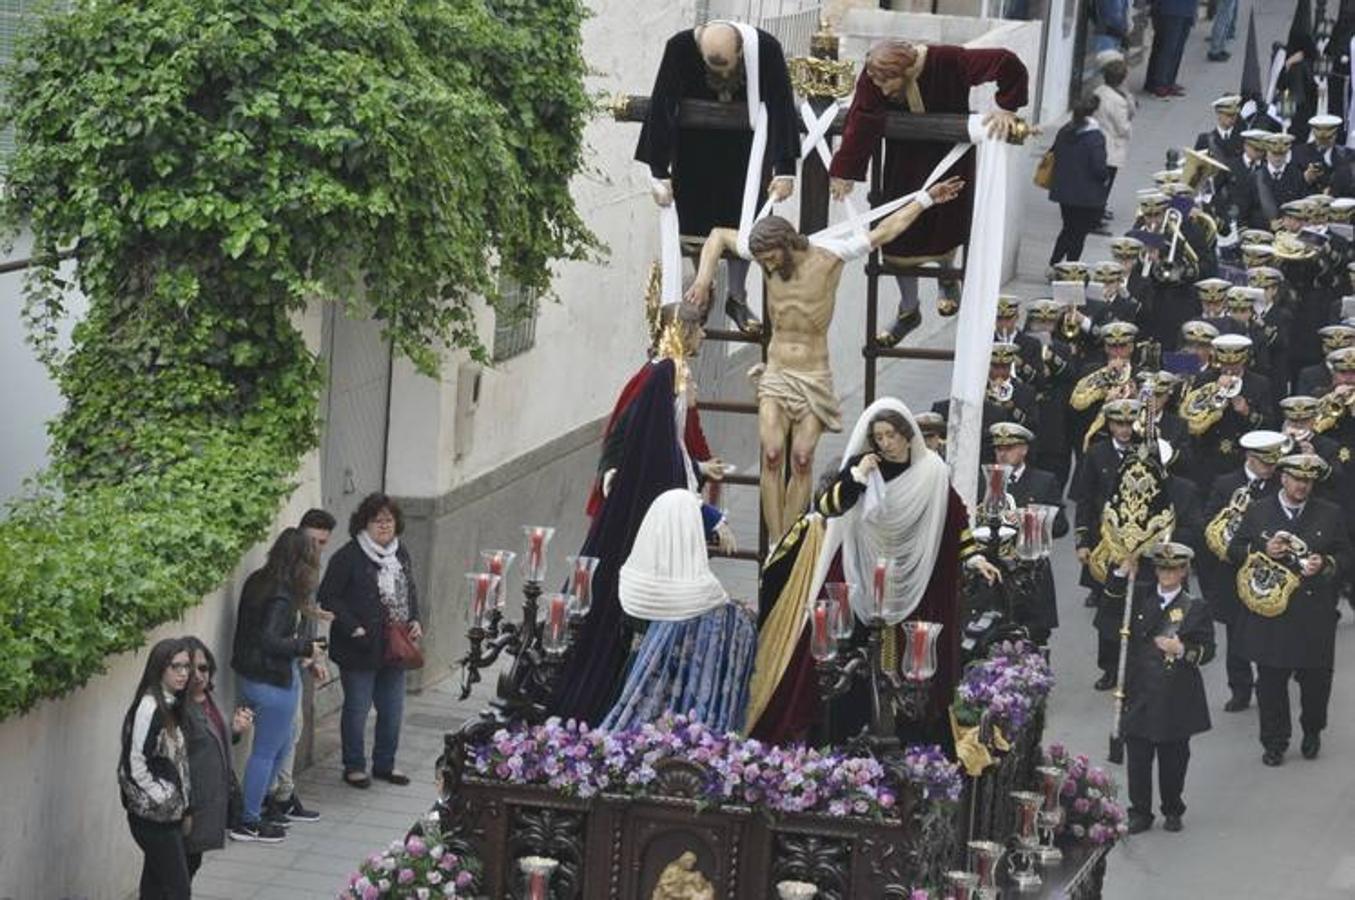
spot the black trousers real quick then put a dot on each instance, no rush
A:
(1107, 654)
(1172, 759)
(1272, 701)
(1241, 675)
(1170, 34)
(1078, 222)
(1111, 172)
(164, 871)
(194, 863)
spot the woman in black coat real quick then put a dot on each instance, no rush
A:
(369, 584)
(1080, 179)
(210, 773)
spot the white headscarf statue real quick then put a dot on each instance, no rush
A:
(902, 520)
(667, 577)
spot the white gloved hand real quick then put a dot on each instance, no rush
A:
(607, 478)
(724, 536)
(662, 190)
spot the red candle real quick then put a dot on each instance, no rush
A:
(482, 583)
(538, 538)
(919, 651)
(823, 647)
(496, 563)
(881, 571)
(557, 615)
(580, 580)
(538, 886)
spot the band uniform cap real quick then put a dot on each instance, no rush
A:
(1257, 254)
(1126, 246)
(1171, 555)
(1152, 201)
(1245, 297)
(1197, 332)
(1301, 208)
(1264, 276)
(1007, 305)
(1043, 310)
(1278, 143)
(1257, 137)
(1300, 407)
(1212, 289)
(1269, 446)
(1114, 333)
(1005, 434)
(1005, 353)
(1228, 103)
(930, 422)
(1163, 381)
(1069, 270)
(1256, 236)
(1124, 410)
(1325, 121)
(1107, 270)
(1306, 466)
(1168, 176)
(1178, 189)
(1337, 335)
(1342, 359)
(1322, 200)
(1231, 348)
(1341, 208)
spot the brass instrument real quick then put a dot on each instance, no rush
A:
(1220, 530)
(1094, 387)
(1174, 268)
(1338, 402)
(1203, 406)
(1069, 327)
(1289, 247)
(1198, 167)
(1001, 392)
(1207, 224)
(1266, 585)
(1139, 513)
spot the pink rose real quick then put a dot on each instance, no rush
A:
(406, 876)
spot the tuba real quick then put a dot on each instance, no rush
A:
(1266, 585)
(1203, 406)
(1094, 387)
(1218, 534)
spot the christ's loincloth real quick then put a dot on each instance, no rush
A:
(800, 394)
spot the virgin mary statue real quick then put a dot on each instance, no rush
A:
(892, 501)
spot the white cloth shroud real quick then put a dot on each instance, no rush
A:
(667, 577)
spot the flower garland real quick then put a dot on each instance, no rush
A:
(573, 759)
(1007, 687)
(1090, 810)
(413, 869)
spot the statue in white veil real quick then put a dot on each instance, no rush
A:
(891, 500)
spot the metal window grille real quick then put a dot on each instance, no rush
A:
(12, 14)
(514, 321)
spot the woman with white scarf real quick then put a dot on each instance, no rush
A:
(892, 499)
(368, 584)
(697, 651)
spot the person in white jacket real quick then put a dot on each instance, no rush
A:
(1115, 115)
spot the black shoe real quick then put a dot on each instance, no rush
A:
(1139, 824)
(394, 777)
(1171, 823)
(259, 832)
(1237, 703)
(1273, 757)
(1105, 682)
(1101, 230)
(1312, 743)
(273, 814)
(903, 326)
(1221, 56)
(357, 779)
(292, 810)
(948, 297)
(738, 312)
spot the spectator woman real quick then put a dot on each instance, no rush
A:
(269, 648)
(369, 584)
(1079, 184)
(1115, 114)
(211, 775)
(153, 772)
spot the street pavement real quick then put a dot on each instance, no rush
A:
(1250, 831)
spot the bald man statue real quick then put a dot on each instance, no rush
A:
(702, 170)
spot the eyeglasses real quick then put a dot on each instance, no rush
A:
(181, 667)
(205, 669)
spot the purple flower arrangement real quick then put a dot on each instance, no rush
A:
(1007, 687)
(1090, 810)
(413, 869)
(573, 759)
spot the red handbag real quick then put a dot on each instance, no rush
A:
(402, 650)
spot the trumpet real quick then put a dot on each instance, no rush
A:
(1203, 406)
(1069, 326)
(1337, 402)
(1173, 269)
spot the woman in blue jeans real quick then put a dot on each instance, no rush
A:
(268, 653)
(369, 584)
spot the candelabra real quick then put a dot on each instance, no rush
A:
(538, 647)
(903, 689)
(1050, 817)
(984, 857)
(1024, 858)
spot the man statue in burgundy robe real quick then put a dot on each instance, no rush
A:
(900, 76)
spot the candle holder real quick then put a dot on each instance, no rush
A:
(1023, 860)
(1052, 779)
(902, 691)
(536, 873)
(534, 562)
(500, 563)
(984, 857)
(581, 572)
(995, 477)
(841, 619)
(961, 885)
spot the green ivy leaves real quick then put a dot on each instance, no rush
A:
(217, 165)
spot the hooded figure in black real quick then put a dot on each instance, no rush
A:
(1297, 75)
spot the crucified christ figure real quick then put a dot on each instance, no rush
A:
(796, 400)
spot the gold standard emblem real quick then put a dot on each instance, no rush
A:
(1176, 615)
(1344, 454)
(1226, 446)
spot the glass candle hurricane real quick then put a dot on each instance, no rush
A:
(483, 599)
(841, 619)
(555, 630)
(581, 571)
(822, 644)
(498, 562)
(918, 661)
(534, 563)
